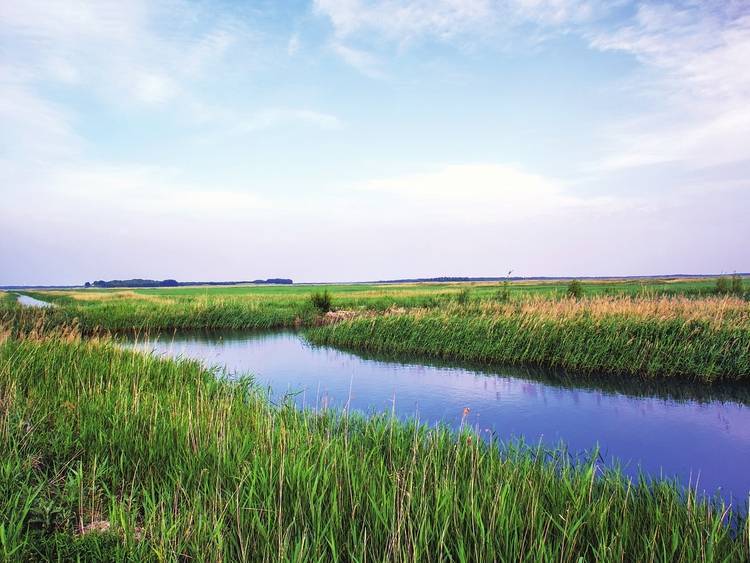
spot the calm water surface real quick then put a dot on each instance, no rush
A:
(704, 440)
(31, 302)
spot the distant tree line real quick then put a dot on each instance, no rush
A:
(137, 282)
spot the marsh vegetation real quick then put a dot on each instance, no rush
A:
(114, 455)
(677, 329)
(118, 455)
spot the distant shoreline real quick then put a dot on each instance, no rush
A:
(138, 284)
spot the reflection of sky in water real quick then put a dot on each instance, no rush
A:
(31, 302)
(687, 439)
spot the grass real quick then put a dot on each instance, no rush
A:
(177, 464)
(657, 329)
(322, 301)
(706, 340)
(128, 312)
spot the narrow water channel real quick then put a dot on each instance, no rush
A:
(698, 436)
(27, 301)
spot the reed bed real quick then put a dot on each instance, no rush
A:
(114, 455)
(718, 311)
(706, 340)
(155, 314)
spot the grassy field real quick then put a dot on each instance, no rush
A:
(114, 455)
(649, 328)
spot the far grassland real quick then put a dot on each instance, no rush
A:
(112, 455)
(696, 330)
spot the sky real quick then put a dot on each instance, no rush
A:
(352, 140)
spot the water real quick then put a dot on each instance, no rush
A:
(686, 432)
(31, 302)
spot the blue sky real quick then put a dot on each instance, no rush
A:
(356, 140)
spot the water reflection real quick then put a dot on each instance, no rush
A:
(27, 301)
(695, 433)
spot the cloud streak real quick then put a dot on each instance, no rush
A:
(694, 60)
(483, 192)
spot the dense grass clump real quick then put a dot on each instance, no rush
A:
(113, 455)
(730, 285)
(322, 301)
(707, 340)
(575, 289)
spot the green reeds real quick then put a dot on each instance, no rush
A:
(706, 341)
(170, 462)
(322, 301)
(699, 339)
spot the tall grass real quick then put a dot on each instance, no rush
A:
(152, 315)
(704, 340)
(322, 301)
(177, 464)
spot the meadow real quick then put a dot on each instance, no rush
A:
(114, 455)
(689, 329)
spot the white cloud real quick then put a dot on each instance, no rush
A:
(483, 192)
(561, 12)
(364, 61)
(77, 189)
(33, 129)
(408, 20)
(125, 52)
(154, 88)
(694, 60)
(49, 21)
(405, 20)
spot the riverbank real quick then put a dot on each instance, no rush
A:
(699, 339)
(705, 340)
(167, 461)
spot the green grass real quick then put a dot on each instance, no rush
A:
(186, 466)
(707, 340)
(261, 307)
(146, 315)
(402, 294)
(605, 336)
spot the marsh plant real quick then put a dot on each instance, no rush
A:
(723, 286)
(681, 329)
(575, 289)
(322, 301)
(737, 287)
(503, 294)
(702, 340)
(463, 296)
(112, 455)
